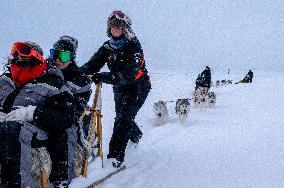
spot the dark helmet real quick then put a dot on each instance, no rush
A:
(67, 43)
(207, 67)
(35, 46)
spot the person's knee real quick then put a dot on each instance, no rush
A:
(123, 127)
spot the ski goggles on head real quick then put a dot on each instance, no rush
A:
(120, 16)
(63, 56)
(23, 61)
(26, 51)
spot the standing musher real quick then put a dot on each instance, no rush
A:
(124, 57)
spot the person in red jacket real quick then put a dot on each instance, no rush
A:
(124, 57)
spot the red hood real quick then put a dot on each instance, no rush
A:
(22, 75)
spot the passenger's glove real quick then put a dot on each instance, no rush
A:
(105, 77)
(21, 114)
(2, 117)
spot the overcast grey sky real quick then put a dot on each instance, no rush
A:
(176, 35)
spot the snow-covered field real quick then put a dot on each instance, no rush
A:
(237, 143)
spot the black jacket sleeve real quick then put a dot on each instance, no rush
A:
(96, 62)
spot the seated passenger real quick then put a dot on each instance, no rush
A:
(36, 110)
(63, 56)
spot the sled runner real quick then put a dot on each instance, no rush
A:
(122, 168)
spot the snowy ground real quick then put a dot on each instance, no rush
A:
(238, 143)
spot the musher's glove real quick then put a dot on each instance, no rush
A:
(105, 77)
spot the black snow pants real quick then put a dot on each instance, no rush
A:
(128, 101)
(16, 141)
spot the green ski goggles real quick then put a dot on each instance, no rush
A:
(64, 56)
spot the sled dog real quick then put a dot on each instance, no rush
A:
(161, 112)
(202, 91)
(224, 82)
(195, 97)
(199, 96)
(211, 98)
(182, 108)
(217, 82)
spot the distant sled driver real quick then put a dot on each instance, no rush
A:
(250, 75)
(37, 110)
(247, 78)
(204, 79)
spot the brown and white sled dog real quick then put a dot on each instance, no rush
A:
(211, 98)
(202, 96)
(218, 83)
(182, 108)
(160, 110)
(195, 97)
(224, 82)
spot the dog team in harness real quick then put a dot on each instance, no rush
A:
(42, 100)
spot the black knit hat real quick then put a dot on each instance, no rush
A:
(67, 43)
